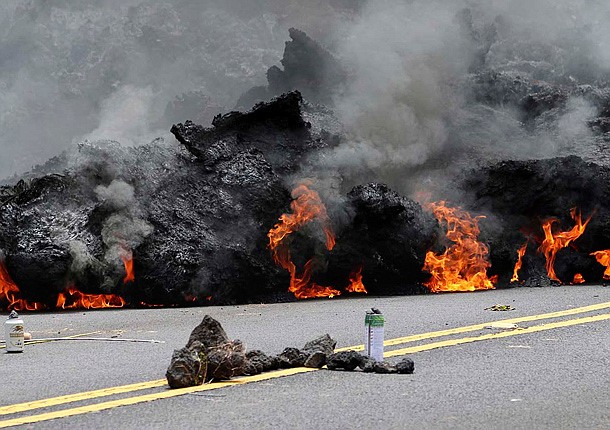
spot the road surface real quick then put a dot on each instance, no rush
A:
(552, 372)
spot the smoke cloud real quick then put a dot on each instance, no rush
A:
(415, 110)
(125, 70)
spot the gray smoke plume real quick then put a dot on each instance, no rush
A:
(414, 109)
(125, 70)
(125, 229)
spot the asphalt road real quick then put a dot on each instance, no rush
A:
(555, 378)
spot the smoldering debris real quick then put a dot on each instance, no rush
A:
(209, 355)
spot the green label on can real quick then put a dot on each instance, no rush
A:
(374, 320)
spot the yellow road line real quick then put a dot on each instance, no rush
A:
(150, 397)
(528, 330)
(34, 342)
(475, 327)
(69, 398)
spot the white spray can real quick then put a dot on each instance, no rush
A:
(13, 333)
(373, 338)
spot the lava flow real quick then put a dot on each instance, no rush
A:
(306, 206)
(603, 258)
(519, 263)
(74, 299)
(355, 282)
(463, 266)
(10, 292)
(553, 242)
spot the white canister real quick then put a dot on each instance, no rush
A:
(373, 335)
(13, 333)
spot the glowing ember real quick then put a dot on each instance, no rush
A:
(10, 292)
(306, 207)
(603, 258)
(463, 266)
(552, 243)
(355, 282)
(578, 279)
(519, 263)
(74, 299)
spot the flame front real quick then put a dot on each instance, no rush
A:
(552, 243)
(519, 263)
(74, 299)
(463, 266)
(306, 206)
(10, 292)
(603, 258)
(355, 282)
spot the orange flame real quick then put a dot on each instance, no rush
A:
(578, 279)
(603, 258)
(127, 258)
(306, 206)
(519, 263)
(355, 282)
(10, 292)
(463, 266)
(74, 299)
(552, 243)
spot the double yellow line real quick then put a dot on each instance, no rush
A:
(89, 395)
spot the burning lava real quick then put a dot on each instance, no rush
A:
(553, 242)
(519, 263)
(127, 258)
(355, 282)
(463, 266)
(74, 299)
(306, 207)
(10, 293)
(603, 258)
(71, 298)
(578, 279)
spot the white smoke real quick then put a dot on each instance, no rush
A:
(127, 116)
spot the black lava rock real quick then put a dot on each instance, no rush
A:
(324, 344)
(259, 358)
(226, 360)
(188, 366)
(406, 366)
(316, 360)
(389, 237)
(308, 68)
(292, 357)
(345, 360)
(209, 333)
(384, 367)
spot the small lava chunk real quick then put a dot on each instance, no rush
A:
(406, 366)
(350, 360)
(345, 360)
